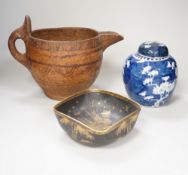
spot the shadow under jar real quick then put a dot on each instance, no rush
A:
(63, 61)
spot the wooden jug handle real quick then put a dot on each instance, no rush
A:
(21, 33)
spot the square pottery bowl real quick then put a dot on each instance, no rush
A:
(96, 117)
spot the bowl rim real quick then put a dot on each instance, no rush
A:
(95, 131)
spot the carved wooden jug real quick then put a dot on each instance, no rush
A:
(62, 60)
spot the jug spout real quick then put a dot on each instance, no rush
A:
(109, 38)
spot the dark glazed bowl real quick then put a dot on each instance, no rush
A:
(96, 117)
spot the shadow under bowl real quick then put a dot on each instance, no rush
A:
(97, 117)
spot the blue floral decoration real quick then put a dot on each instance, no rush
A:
(150, 75)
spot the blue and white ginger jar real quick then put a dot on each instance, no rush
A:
(150, 75)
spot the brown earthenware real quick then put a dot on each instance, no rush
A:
(63, 61)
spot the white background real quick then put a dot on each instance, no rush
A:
(31, 140)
